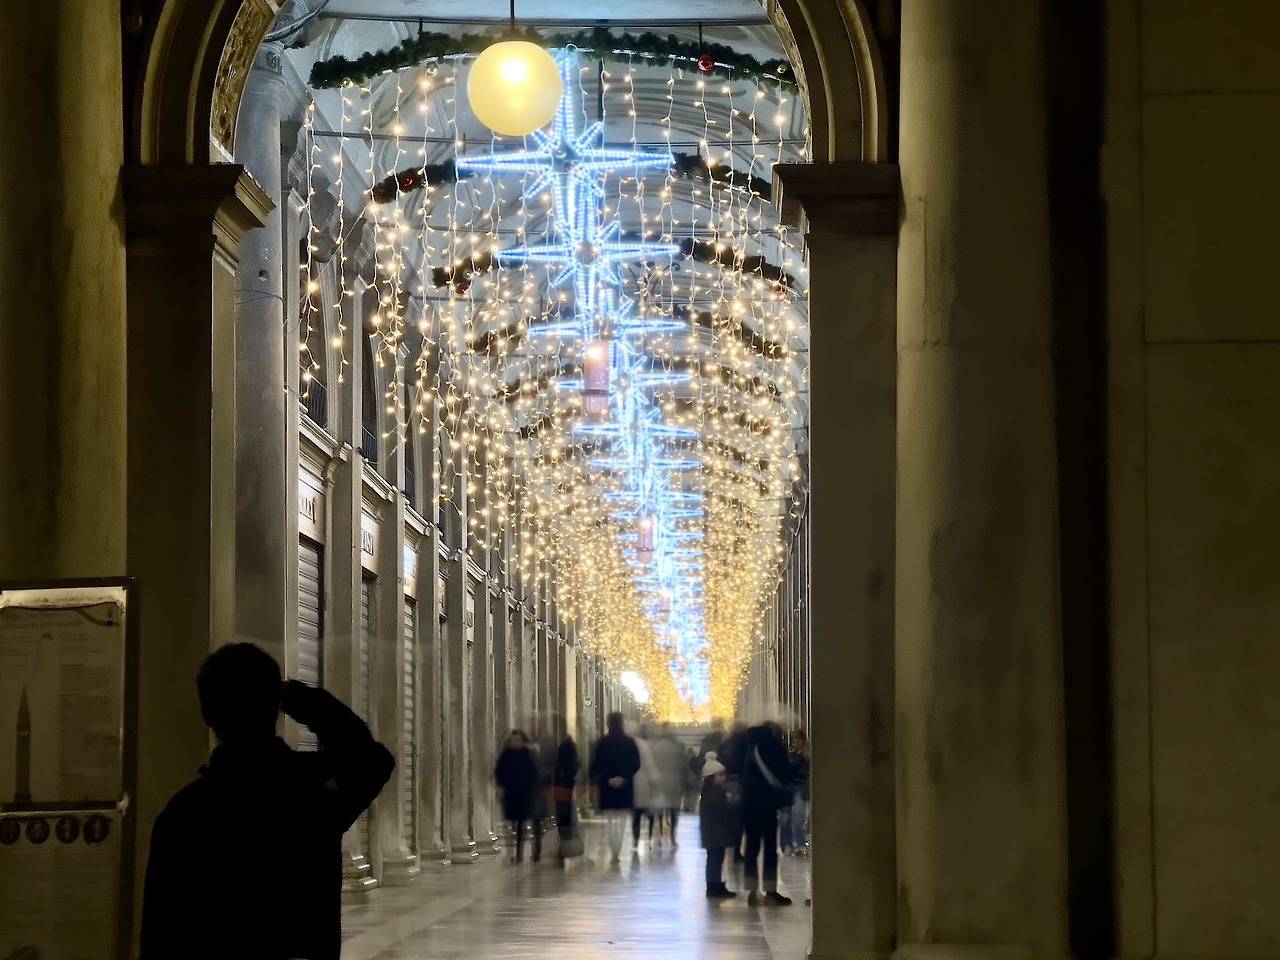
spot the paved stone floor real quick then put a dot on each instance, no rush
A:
(650, 906)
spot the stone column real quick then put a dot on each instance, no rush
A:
(850, 215)
(342, 606)
(294, 232)
(562, 693)
(460, 615)
(806, 641)
(399, 865)
(543, 705)
(63, 373)
(262, 442)
(432, 662)
(572, 698)
(460, 622)
(528, 665)
(482, 739)
(501, 628)
(185, 225)
(500, 631)
(981, 822)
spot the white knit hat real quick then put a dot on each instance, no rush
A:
(712, 765)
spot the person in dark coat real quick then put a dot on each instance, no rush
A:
(564, 780)
(613, 769)
(544, 748)
(733, 749)
(730, 752)
(765, 782)
(517, 777)
(718, 819)
(261, 803)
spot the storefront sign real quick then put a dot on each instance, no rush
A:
(311, 519)
(369, 533)
(410, 570)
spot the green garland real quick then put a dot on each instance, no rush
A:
(459, 275)
(688, 166)
(597, 43)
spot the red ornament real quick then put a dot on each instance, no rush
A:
(705, 63)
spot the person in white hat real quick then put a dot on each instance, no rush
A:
(719, 822)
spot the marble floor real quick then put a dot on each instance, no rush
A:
(652, 905)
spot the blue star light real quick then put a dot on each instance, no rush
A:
(571, 162)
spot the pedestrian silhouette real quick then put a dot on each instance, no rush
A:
(246, 861)
(614, 766)
(766, 777)
(517, 775)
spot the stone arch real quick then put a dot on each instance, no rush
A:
(187, 76)
(837, 62)
(197, 55)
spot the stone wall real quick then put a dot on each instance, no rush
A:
(1192, 147)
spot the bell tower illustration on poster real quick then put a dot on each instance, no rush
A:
(22, 780)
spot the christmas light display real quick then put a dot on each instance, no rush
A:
(604, 356)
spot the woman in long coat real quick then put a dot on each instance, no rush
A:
(517, 776)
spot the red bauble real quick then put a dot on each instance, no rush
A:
(705, 63)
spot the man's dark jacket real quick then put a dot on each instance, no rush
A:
(246, 862)
(616, 756)
(764, 748)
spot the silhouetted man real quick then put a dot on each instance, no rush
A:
(246, 861)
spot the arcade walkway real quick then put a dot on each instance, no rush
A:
(651, 906)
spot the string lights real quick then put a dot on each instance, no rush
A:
(608, 358)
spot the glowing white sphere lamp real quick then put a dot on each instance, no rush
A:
(514, 87)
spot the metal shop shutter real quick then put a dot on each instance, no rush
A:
(408, 740)
(310, 625)
(368, 623)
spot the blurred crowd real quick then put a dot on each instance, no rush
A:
(749, 787)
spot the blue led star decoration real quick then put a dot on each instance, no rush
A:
(640, 453)
(571, 161)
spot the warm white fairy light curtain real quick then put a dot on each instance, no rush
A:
(652, 489)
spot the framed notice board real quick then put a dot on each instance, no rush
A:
(68, 767)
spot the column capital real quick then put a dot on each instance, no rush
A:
(269, 62)
(850, 198)
(176, 200)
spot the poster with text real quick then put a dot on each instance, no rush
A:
(61, 696)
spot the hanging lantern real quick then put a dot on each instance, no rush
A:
(514, 87)
(595, 376)
(644, 546)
